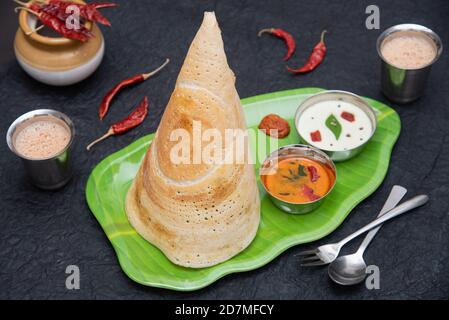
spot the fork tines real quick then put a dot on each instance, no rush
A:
(310, 258)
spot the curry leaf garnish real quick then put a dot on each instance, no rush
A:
(334, 126)
(295, 176)
(301, 171)
(289, 178)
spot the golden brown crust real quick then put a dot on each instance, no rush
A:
(197, 214)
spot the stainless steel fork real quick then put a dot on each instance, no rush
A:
(325, 254)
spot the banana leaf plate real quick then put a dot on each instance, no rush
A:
(357, 179)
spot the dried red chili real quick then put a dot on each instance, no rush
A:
(315, 59)
(284, 35)
(308, 192)
(313, 172)
(61, 15)
(87, 11)
(106, 102)
(315, 136)
(50, 9)
(93, 5)
(58, 25)
(275, 126)
(94, 15)
(348, 116)
(101, 5)
(53, 13)
(132, 121)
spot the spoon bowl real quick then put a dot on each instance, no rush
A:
(348, 270)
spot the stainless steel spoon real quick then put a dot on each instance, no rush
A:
(351, 269)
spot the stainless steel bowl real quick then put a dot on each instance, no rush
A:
(405, 85)
(51, 173)
(295, 150)
(339, 95)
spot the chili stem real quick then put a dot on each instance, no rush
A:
(322, 35)
(16, 9)
(25, 4)
(269, 30)
(152, 73)
(107, 135)
(35, 30)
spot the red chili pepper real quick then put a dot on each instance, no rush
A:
(96, 16)
(106, 102)
(87, 11)
(58, 8)
(57, 24)
(315, 136)
(101, 5)
(54, 11)
(348, 116)
(315, 59)
(51, 10)
(314, 176)
(308, 192)
(284, 35)
(90, 12)
(132, 121)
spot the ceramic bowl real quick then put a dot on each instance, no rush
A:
(56, 61)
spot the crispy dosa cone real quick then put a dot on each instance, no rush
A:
(198, 214)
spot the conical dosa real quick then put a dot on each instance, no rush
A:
(198, 214)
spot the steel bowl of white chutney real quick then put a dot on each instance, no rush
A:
(339, 123)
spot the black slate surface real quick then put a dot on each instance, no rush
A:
(43, 232)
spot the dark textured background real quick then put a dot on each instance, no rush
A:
(43, 232)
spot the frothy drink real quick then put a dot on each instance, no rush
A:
(41, 138)
(408, 50)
